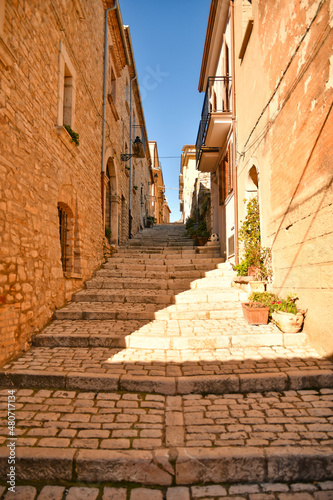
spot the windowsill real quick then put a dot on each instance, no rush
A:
(113, 107)
(76, 276)
(6, 55)
(246, 38)
(66, 138)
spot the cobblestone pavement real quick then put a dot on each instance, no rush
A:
(150, 385)
(112, 420)
(166, 362)
(264, 491)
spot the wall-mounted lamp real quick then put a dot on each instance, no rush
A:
(137, 148)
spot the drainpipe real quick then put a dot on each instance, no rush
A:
(234, 143)
(104, 96)
(130, 177)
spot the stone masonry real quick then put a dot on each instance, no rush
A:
(51, 222)
(150, 384)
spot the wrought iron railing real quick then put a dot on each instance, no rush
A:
(217, 100)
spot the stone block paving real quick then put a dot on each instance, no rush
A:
(262, 491)
(170, 362)
(138, 421)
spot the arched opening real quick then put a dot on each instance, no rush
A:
(252, 183)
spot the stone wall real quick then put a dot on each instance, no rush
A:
(51, 58)
(284, 95)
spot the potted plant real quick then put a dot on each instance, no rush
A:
(202, 234)
(257, 310)
(285, 314)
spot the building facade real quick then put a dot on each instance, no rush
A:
(282, 77)
(62, 177)
(160, 208)
(216, 135)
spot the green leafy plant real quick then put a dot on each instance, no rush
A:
(205, 204)
(202, 231)
(127, 167)
(285, 305)
(254, 254)
(135, 187)
(74, 135)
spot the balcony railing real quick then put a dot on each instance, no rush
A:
(217, 101)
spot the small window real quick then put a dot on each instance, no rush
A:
(68, 97)
(63, 232)
(66, 100)
(113, 85)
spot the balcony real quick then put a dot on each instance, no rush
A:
(215, 124)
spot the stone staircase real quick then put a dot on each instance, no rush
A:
(152, 376)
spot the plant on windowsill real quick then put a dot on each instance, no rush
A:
(74, 135)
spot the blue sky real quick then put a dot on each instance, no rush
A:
(168, 38)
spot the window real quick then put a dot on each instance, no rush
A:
(67, 89)
(68, 97)
(247, 25)
(113, 85)
(64, 240)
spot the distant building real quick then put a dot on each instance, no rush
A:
(160, 207)
(267, 77)
(64, 182)
(192, 184)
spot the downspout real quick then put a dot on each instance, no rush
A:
(234, 142)
(130, 178)
(104, 97)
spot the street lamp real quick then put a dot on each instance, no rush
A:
(137, 148)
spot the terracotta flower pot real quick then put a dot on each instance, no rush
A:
(202, 240)
(255, 315)
(288, 322)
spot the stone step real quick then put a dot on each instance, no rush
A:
(318, 490)
(202, 310)
(162, 267)
(136, 296)
(166, 372)
(144, 258)
(177, 466)
(138, 283)
(161, 275)
(208, 295)
(106, 311)
(173, 335)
